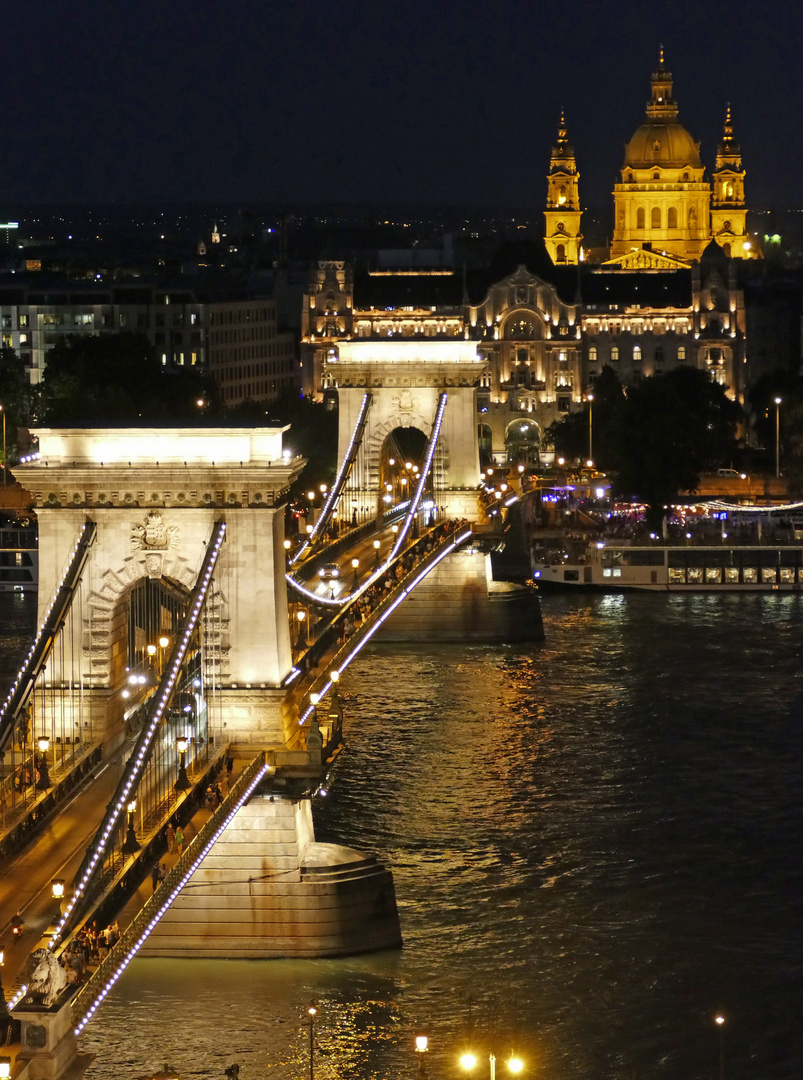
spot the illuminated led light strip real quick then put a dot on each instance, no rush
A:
(299, 586)
(745, 508)
(78, 550)
(334, 494)
(142, 749)
(312, 596)
(79, 1027)
(405, 592)
(433, 442)
(511, 500)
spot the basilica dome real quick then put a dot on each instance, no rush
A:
(665, 144)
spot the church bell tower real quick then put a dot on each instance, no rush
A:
(563, 211)
(728, 211)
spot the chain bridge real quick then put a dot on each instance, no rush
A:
(184, 677)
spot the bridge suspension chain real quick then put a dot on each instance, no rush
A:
(320, 526)
(53, 622)
(156, 711)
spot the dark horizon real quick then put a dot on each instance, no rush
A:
(442, 106)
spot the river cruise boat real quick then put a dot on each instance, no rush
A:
(19, 559)
(657, 566)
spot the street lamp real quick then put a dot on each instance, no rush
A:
(377, 560)
(3, 411)
(301, 642)
(44, 778)
(421, 1047)
(514, 1064)
(312, 1011)
(590, 399)
(57, 892)
(356, 579)
(183, 782)
(131, 843)
(3, 1015)
(719, 1020)
(777, 437)
(5, 1066)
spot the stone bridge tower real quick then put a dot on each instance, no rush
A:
(405, 379)
(155, 496)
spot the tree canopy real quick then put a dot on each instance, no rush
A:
(656, 436)
(117, 379)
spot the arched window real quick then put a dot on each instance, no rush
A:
(672, 218)
(692, 218)
(592, 354)
(614, 352)
(636, 354)
(641, 218)
(560, 253)
(681, 352)
(727, 249)
(655, 218)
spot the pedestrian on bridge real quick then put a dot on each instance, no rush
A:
(155, 875)
(170, 838)
(179, 835)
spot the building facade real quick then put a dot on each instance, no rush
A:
(542, 352)
(236, 340)
(249, 358)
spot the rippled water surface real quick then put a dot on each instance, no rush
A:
(596, 845)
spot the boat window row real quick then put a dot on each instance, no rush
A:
(736, 575)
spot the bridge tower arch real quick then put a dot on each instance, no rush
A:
(405, 379)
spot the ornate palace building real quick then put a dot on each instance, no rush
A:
(667, 292)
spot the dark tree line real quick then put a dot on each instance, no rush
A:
(656, 437)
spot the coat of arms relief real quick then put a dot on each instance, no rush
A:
(154, 538)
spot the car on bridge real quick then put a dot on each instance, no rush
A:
(329, 571)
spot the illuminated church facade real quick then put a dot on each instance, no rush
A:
(666, 294)
(665, 210)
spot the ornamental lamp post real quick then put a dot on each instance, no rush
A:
(719, 1020)
(3, 411)
(514, 1063)
(590, 399)
(57, 892)
(131, 843)
(4, 1016)
(183, 782)
(44, 778)
(777, 437)
(301, 642)
(377, 560)
(421, 1047)
(312, 1011)
(355, 580)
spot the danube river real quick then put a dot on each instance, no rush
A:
(596, 846)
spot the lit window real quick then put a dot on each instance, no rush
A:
(615, 352)
(592, 354)
(637, 353)
(681, 352)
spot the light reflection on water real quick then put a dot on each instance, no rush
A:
(595, 844)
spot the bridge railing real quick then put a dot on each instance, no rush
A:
(112, 966)
(441, 541)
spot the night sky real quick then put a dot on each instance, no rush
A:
(421, 102)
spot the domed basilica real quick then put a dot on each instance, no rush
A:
(665, 211)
